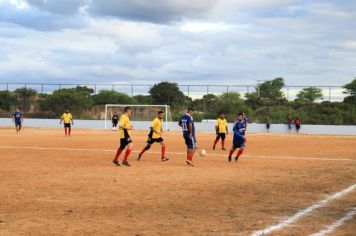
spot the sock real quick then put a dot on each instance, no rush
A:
(163, 152)
(119, 151)
(189, 157)
(239, 152)
(127, 154)
(142, 152)
(231, 152)
(222, 144)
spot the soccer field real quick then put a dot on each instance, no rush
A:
(282, 185)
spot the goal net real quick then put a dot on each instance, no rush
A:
(142, 115)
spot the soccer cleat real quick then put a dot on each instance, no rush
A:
(116, 162)
(223, 149)
(190, 163)
(236, 158)
(138, 158)
(230, 158)
(125, 163)
(164, 159)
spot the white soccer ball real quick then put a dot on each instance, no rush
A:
(202, 152)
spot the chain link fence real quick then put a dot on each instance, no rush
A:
(330, 93)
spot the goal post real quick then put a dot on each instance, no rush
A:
(144, 113)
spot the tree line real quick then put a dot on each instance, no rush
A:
(267, 101)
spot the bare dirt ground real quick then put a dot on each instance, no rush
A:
(53, 185)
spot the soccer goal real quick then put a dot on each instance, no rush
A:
(142, 115)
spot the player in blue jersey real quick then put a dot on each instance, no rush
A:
(17, 118)
(239, 136)
(187, 124)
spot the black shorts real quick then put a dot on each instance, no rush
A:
(114, 124)
(67, 125)
(297, 127)
(154, 140)
(221, 135)
(124, 142)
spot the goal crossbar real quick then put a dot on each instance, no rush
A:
(166, 107)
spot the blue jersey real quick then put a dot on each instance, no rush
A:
(240, 128)
(184, 123)
(18, 116)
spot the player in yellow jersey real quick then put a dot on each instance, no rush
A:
(221, 129)
(155, 136)
(67, 119)
(125, 139)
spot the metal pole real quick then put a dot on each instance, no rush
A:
(330, 94)
(42, 88)
(132, 88)
(113, 87)
(95, 89)
(166, 118)
(207, 89)
(287, 93)
(227, 88)
(188, 90)
(106, 114)
(7, 87)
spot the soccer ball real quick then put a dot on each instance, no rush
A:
(202, 152)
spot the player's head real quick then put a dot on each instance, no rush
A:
(17, 109)
(190, 111)
(222, 115)
(240, 116)
(128, 111)
(160, 114)
(67, 110)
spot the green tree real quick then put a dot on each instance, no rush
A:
(166, 93)
(111, 97)
(7, 100)
(310, 95)
(351, 91)
(142, 99)
(271, 92)
(26, 96)
(77, 100)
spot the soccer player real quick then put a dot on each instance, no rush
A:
(125, 139)
(17, 118)
(289, 123)
(187, 124)
(268, 123)
(155, 136)
(239, 137)
(114, 120)
(297, 124)
(67, 120)
(221, 131)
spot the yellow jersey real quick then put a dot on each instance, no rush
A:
(156, 125)
(221, 125)
(125, 122)
(67, 118)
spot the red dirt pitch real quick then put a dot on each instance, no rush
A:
(53, 185)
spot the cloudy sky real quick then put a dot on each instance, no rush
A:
(308, 42)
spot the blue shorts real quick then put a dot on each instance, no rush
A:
(18, 123)
(189, 142)
(238, 143)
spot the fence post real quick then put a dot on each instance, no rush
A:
(95, 89)
(287, 93)
(227, 88)
(188, 90)
(329, 93)
(42, 88)
(132, 89)
(7, 87)
(207, 89)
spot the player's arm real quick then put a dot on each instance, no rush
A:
(237, 133)
(227, 129)
(190, 129)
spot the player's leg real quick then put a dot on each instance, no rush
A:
(223, 141)
(127, 153)
(123, 144)
(146, 148)
(217, 137)
(191, 150)
(163, 150)
(233, 148)
(241, 146)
